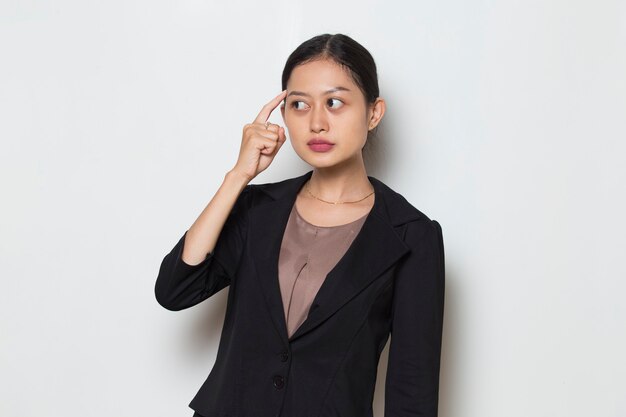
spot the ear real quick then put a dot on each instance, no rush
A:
(376, 113)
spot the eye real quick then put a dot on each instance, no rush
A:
(294, 104)
(330, 100)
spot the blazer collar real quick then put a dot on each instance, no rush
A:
(375, 248)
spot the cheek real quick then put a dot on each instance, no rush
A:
(355, 123)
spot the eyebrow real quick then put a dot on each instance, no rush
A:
(332, 90)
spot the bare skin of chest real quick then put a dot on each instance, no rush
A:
(327, 215)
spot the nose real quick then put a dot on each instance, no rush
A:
(319, 120)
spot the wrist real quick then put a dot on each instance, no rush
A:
(238, 178)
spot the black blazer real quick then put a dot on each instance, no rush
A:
(390, 280)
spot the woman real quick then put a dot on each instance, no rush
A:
(322, 267)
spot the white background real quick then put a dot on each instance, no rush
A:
(506, 122)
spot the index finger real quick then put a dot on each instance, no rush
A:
(269, 107)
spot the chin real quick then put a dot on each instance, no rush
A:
(325, 162)
(318, 162)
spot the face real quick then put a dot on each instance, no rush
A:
(324, 103)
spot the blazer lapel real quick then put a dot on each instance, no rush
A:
(374, 250)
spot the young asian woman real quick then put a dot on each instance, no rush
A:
(322, 268)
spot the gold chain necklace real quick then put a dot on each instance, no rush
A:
(335, 202)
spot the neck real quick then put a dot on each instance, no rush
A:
(340, 184)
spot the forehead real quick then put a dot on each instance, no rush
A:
(320, 75)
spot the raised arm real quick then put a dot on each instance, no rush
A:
(205, 258)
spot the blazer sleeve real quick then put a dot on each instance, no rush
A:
(412, 380)
(180, 285)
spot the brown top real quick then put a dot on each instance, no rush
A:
(307, 254)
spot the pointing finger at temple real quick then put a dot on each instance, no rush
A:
(267, 109)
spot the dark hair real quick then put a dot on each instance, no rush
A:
(346, 52)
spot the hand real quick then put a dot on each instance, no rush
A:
(260, 144)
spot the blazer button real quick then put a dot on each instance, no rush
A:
(279, 382)
(284, 356)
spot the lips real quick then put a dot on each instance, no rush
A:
(319, 141)
(320, 145)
